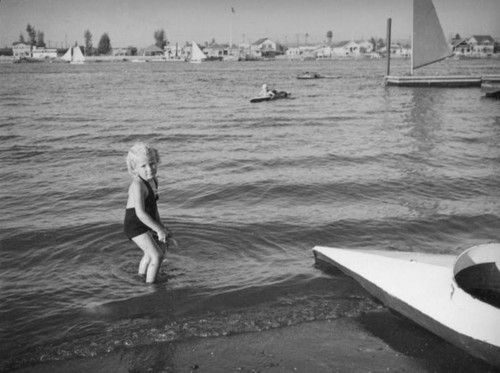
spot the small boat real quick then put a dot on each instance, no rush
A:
(491, 91)
(491, 86)
(197, 55)
(454, 297)
(309, 75)
(74, 55)
(277, 95)
(429, 45)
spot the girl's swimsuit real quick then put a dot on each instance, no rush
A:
(133, 226)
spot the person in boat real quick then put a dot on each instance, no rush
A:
(266, 92)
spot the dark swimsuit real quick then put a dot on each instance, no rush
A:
(133, 226)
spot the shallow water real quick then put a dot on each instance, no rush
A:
(248, 190)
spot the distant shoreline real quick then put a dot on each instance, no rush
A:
(158, 59)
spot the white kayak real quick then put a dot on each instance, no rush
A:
(457, 298)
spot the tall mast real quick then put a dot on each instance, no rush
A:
(388, 46)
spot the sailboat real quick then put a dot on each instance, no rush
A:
(429, 45)
(74, 55)
(197, 55)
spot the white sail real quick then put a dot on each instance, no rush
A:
(429, 40)
(196, 54)
(74, 55)
(77, 55)
(67, 55)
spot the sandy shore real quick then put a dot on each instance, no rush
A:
(319, 346)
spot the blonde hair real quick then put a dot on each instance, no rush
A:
(140, 150)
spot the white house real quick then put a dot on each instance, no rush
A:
(263, 45)
(346, 49)
(481, 45)
(42, 53)
(304, 52)
(152, 50)
(21, 50)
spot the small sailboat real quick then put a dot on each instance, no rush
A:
(74, 55)
(197, 55)
(429, 45)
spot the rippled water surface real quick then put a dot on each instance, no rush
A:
(248, 190)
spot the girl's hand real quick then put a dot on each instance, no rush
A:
(162, 235)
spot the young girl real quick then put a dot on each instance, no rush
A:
(141, 216)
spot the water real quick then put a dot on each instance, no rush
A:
(248, 190)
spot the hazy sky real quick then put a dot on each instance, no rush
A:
(133, 23)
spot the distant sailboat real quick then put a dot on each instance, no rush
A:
(429, 45)
(74, 55)
(197, 55)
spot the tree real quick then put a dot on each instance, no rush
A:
(104, 46)
(40, 42)
(132, 50)
(161, 39)
(380, 43)
(88, 42)
(329, 36)
(31, 34)
(21, 38)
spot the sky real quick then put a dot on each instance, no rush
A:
(133, 23)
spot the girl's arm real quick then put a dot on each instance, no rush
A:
(138, 194)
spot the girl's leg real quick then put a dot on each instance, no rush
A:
(150, 262)
(143, 265)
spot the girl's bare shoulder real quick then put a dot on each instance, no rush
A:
(136, 186)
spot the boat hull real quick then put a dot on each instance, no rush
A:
(491, 86)
(277, 96)
(421, 287)
(434, 81)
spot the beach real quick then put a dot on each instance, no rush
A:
(247, 190)
(322, 347)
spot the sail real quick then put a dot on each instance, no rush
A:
(67, 55)
(429, 40)
(77, 55)
(196, 54)
(74, 55)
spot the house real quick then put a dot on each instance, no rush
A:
(21, 50)
(346, 49)
(174, 52)
(460, 47)
(43, 53)
(263, 46)
(474, 46)
(303, 52)
(481, 45)
(325, 51)
(365, 46)
(153, 50)
(398, 51)
(220, 51)
(120, 51)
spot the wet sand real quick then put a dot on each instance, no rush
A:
(392, 344)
